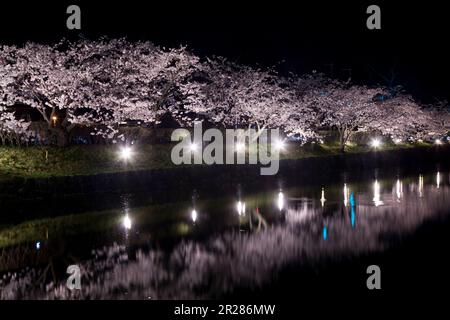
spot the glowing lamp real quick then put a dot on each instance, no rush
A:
(126, 153)
(240, 147)
(279, 144)
(375, 143)
(193, 147)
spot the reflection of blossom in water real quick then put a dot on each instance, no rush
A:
(303, 212)
(233, 260)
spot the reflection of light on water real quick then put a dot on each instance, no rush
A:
(322, 198)
(301, 245)
(352, 199)
(126, 222)
(352, 209)
(399, 189)
(420, 185)
(376, 194)
(241, 208)
(194, 216)
(438, 179)
(345, 194)
(280, 201)
(352, 216)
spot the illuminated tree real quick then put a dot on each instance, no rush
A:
(346, 109)
(12, 130)
(241, 96)
(102, 84)
(98, 84)
(403, 119)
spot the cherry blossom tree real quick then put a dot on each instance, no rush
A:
(12, 130)
(241, 96)
(347, 109)
(94, 83)
(38, 77)
(405, 120)
(351, 109)
(441, 113)
(102, 84)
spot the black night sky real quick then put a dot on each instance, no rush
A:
(331, 38)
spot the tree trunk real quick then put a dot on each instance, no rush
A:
(62, 137)
(342, 142)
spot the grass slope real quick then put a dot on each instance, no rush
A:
(41, 162)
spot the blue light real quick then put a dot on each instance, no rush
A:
(352, 199)
(352, 216)
(352, 209)
(324, 233)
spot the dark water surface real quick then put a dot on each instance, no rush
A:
(248, 241)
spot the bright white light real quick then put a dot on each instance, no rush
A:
(126, 222)
(376, 194)
(438, 179)
(193, 147)
(194, 216)
(397, 141)
(280, 201)
(322, 197)
(241, 208)
(126, 153)
(240, 147)
(438, 142)
(420, 185)
(399, 189)
(279, 145)
(346, 192)
(38, 245)
(375, 143)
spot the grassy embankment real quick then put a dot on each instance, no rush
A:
(41, 162)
